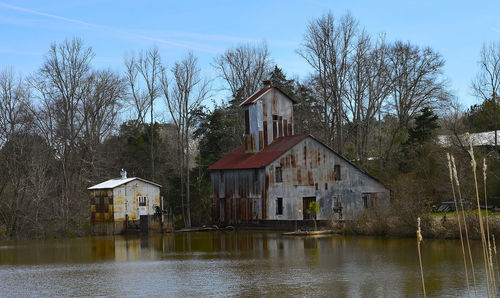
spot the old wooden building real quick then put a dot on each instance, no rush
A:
(275, 175)
(124, 203)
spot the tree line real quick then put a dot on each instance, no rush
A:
(379, 103)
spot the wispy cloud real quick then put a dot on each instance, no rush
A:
(116, 31)
(48, 15)
(158, 37)
(496, 30)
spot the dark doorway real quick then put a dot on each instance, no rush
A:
(306, 201)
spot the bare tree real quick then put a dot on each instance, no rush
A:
(183, 97)
(327, 47)
(63, 84)
(417, 80)
(14, 136)
(243, 68)
(144, 79)
(14, 97)
(100, 112)
(367, 88)
(486, 85)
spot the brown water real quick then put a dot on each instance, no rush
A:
(233, 264)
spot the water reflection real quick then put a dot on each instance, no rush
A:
(232, 263)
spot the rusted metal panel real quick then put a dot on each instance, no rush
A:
(261, 141)
(280, 125)
(264, 124)
(238, 159)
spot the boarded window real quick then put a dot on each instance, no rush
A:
(279, 174)
(369, 199)
(279, 206)
(336, 171)
(337, 201)
(247, 121)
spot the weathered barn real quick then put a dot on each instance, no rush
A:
(124, 203)
(275, 175)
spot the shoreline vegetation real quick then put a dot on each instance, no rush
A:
(439, 225)
(442, 225)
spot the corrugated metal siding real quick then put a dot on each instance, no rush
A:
(101, 205)
(308, 171)
(241, 193)
(127, 199)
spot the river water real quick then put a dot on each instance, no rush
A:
(238, 263)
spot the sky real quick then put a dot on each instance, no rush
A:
(117, 29)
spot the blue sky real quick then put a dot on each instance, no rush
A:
(114, 29)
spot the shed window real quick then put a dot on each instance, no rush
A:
(279, 174)
(336, 171)
(279, 206)
(142, 201)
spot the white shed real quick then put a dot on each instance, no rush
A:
(123, 203)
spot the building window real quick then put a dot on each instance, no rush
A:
(369, 199)
(336, 172)
(337, 202)
(247, 121)
(142, 201)
(279, 174)
(279, 206)
(275, 127)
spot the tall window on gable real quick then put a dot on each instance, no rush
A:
(336, 172)
(247, 121)
(275, 127)
(279, 174)
(279, 206)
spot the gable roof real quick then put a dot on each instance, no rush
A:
(112, 183)
(254, 97)
(238, 159)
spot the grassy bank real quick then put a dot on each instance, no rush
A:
(442, 225)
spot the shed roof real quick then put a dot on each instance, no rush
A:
(254, 97)
(238, 159)
(112, 183)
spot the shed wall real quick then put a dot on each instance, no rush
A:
(127, 202)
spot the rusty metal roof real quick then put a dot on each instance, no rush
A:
(260, 93)
(238, 159)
